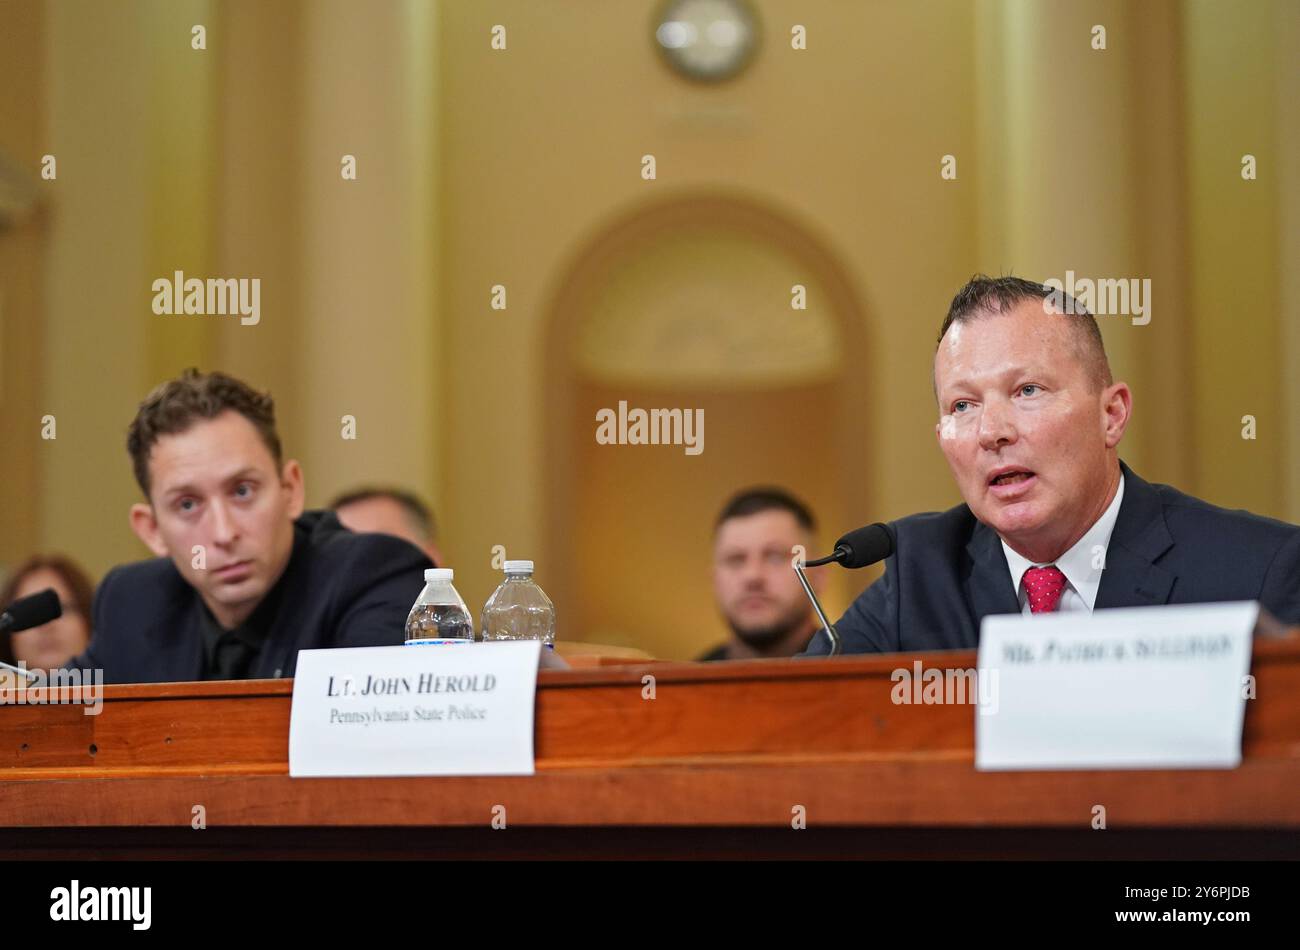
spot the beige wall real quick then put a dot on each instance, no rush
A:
(225, 162)
(1234, 263)
(23, 133)
(482, 167)
(820, 135)
(101, 250)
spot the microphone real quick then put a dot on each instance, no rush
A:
(31, 611)
(856, 549)
(27, 612)
(860, 548)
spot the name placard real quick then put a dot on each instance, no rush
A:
(1141, 687)
(463, 709)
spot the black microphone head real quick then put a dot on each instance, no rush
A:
(866, 545)
(27, 612)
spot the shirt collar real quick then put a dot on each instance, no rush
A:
(1077, 563)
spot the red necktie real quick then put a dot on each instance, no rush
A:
(1044, 585)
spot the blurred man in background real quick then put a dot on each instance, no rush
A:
(754, 581)
(389, 511)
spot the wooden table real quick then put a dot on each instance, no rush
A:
(720, 762)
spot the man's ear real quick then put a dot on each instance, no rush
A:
(1118, 406)
(145, 526)
(291, 480)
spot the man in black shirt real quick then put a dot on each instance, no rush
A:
(244, 579)
(753, 577)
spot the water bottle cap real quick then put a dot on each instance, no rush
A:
(519, 567)
(438, 574)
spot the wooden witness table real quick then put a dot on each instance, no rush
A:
(716, 764)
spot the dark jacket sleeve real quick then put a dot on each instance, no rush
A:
(89, 658)
(1280, 593)
(870, 625)
(385, 576)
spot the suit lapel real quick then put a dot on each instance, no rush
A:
(281, 642)
(287, 613)
(178, 645)
(1131, 578)
(988, 588)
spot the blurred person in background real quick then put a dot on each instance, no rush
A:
(50, 645)
(754, 581)
(389, 511)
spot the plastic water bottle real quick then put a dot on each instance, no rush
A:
(439, 615)
(519, 609)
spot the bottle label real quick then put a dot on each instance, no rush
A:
(435, 642)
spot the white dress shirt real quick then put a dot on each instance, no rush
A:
(1082, 565)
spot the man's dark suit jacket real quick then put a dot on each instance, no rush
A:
(948, 570)
(339, 590)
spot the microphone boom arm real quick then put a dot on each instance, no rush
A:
(817, 606)
(29, 674)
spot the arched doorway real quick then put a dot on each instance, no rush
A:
(686, 304)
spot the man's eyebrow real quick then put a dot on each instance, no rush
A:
(956, 385)
(1009, 372)
(182, 489)
(186, 488)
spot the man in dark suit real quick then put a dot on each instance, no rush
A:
(1030, 424)
(244, 579)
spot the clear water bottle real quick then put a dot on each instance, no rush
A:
(439, 615)
(519, 609)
